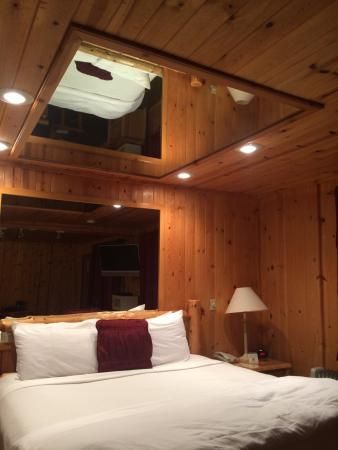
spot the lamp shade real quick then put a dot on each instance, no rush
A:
(240, 97)
(245, 299)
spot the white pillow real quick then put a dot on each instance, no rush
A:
(55, 349)
(169, 338)
(138, 308)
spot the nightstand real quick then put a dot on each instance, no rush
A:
(270, 366)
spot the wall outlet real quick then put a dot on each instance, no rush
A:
(212, 304)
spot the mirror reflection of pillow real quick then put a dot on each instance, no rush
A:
(89, 69)
(131, 73)
(138, 308)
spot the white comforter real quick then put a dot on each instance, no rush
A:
(195, 404)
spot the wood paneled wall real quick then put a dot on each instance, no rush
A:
(299, 275)
(45, 275)
(208, 241)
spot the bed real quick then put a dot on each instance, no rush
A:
(197, 403)
(95, 85)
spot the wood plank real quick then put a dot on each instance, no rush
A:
(329, 275)
(283, 22)
(241, 25)
(51, 21)
(18, 16)
(96, 13)
(202, 25)
(297, 40)
(138, 16)
(167, 21)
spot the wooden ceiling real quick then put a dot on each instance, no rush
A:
(288, 45)
(61, 220)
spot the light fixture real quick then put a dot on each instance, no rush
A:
(240, 97)
(245, 300)
(15, 97)
(4, 146)
(248, 148)
(117, 206)
(184, 176)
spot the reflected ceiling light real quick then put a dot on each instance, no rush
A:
(15, 97)
(248, 148)
(240, 97)
(4, 146)
(91, 221)
(184, 175)
(117, 206)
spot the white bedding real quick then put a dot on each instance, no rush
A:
(109, 99)
(194, 404)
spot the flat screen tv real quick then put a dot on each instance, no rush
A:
(117, 260)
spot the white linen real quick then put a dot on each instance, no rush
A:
(109, 99)
(191, 405)
(169, 338)
(138, 308)
(55, 349)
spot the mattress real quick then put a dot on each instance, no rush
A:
(189, 405)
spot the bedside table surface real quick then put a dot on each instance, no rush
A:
(265, 365)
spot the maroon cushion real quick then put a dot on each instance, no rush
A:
(123, 344)
(93, 71)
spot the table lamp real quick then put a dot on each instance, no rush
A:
(245, 300)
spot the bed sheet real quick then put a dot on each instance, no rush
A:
(192, 405)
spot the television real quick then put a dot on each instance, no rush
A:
(119, 260)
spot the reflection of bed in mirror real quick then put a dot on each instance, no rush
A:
(98, 86)
(106, 101)
(51, 256)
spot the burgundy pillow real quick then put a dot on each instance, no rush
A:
(123, 344)
(93, 71)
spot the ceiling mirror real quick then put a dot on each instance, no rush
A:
(106, 100)
(61, 257)
(114, 106)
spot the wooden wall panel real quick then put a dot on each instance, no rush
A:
(208, 241)
(329, 272)
(299, 275)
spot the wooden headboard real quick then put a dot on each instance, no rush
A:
(191, 319)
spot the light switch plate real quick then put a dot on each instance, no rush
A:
(212, 304)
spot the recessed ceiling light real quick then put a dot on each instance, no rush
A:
(117, 206)
(183, 175)
(248, 148)
(4, 146)
(15, 97)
